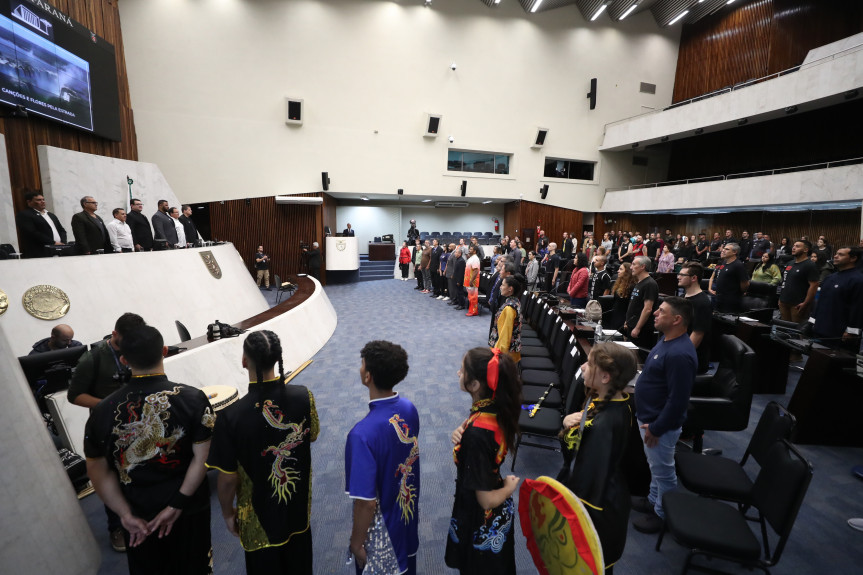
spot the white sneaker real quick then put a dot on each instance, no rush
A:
(446, 298)
(856, 523)
(439, 297)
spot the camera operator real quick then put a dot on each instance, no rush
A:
(313, 259)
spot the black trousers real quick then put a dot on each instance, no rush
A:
(294, 557)
(187, 550)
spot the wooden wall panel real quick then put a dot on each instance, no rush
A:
(25, 134)
(839, 226)
(758, 38)
(553, 220)
(279, 227)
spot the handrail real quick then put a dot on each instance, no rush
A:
(740, 175)
(744, 84)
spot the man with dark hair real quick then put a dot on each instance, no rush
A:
(179, 238)
(567, 251)
(413, 232)
(416, 259)
(643, 301)
(662, 396)
(745, 246)
(89, 230)
(189, 227)
(729, 239)
(146, 445)
(434, 269)
(702, 248)
(61, 338)
(458, 277)
(262, 267)
(689, 279)
(729, 280)
(163, 225)
(314, 255)
(119, 232)
(262, 449)
(599, 283)
(37, 227)
(142, 234)
(839, 313)
(382, 468)
(799, 284)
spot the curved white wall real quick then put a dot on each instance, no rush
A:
(208, 80)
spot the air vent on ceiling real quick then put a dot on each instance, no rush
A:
(647, 88)
(451, 204)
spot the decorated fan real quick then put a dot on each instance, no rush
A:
(593, 311)
(560, 535)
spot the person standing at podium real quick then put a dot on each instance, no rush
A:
(348, 232)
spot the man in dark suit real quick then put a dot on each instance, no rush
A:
(37, 227)
(142, 235)
(89, 229)
(458, 276)
(437, 287)
(348, 231)
(163, 225)
(189, 226)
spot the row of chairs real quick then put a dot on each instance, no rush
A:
(424, 235)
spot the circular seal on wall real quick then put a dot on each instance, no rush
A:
(46, 302)
(4, 302)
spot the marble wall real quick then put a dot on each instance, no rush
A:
(841, 184)
(68, 176)
(818, 81)
(7, 208)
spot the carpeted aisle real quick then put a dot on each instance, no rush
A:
(436, 337)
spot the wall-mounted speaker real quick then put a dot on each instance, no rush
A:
(592, 94)
(293, 111)
(325, 181)
(463, 188)
(401, 192)
(539, 139)
(432, 125)
(543, 191)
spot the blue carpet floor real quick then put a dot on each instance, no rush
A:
(436, 337)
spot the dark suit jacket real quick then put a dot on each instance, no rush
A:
(458, 273)
(435, 259)
(89, 236)
(349, 232)
(190, 230)
(142, 235)
(35, 233)
(163, 228)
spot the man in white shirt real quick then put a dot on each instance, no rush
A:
(178, 225)
(120, 233)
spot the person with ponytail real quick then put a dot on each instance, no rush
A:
(262, 449)
(506, 328)
(481, 536)
(598, 445)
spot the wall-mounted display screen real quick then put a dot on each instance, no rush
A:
(55, 67)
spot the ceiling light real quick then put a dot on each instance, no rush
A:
(536, 6)
(364, 198)
(729, 2)
(629, 11)
(488, 201)
(598, 12)
(679, 16)
(426, 201)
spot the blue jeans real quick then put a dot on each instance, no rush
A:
(663, 476)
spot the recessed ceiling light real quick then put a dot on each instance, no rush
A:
(364, 198)
(487, 202)
(536, 6)
(628, 11)
(426, 201)
(598, 12)
(679, 16)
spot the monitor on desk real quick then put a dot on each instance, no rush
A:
(50, 371)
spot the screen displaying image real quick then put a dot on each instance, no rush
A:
(56, 68)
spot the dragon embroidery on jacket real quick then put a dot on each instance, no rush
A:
(143, 438)
(283, 477)
(407, 493)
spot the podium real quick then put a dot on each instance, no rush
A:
(343, 254)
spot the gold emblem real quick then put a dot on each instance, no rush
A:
(212, 264)
(46, 302)
(4, 302)
(341, 245)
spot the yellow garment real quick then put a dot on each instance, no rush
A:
(770, 276)
(504, 332)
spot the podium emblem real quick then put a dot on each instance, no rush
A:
(212, 264)
(341, 245)
(46, 302)
(4, 302)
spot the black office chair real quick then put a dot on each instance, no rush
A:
(729, 399)
(726, 479)
(551, 384)
(289, 289)
(760, 301)
(715, 529)
(181, 329)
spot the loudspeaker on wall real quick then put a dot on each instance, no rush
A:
(539, 139)
(432, 125)
(463, 188)
(294, 111)
(592, 94)
(543, 191)
(325, 181)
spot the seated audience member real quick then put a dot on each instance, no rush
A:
(61, 338)
(146, 445)
(142, 233)
(643, 302)
(532, 271)
(89, 229)
(189, 227)
(119, 232)
(729, 281)
(600, 447)
(799, 284)
(766, 271)
(37, 227)
(262, 449)
(179, 230)
(839, 313)
(599, 283)
(689, 279)
(666, 261)
(506, 329)
(578, 280)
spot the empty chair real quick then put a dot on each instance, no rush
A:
(489, 234)
(280, 289)
(715, 529)
(181, 329)
(479, 234)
